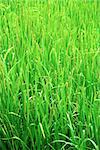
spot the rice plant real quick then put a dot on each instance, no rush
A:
(49, 74)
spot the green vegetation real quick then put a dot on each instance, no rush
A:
(49, 74)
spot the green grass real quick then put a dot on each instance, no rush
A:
(49, 74)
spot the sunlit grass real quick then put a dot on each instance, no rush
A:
(49, 74)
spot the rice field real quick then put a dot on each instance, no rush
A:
(49, 74)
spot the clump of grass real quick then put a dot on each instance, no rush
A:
(49, 74)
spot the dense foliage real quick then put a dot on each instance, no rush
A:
(49, 74)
